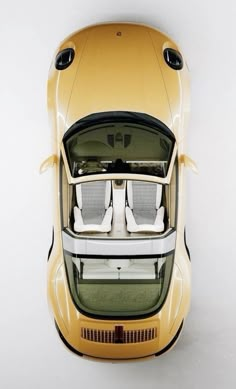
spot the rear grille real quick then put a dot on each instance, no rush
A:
(109, 336)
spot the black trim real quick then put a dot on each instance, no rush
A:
(64, 58)
(119, 256)
(173, 59)
(186, 246)
(164, 350)
(172, 341)
(51, 247)
(66, 343)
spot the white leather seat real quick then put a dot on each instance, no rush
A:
(138, 271)
(116, 269)
(93, 212)
(144, 212)
(101, 270)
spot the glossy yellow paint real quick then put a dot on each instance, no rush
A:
(118, 66)
(118, 72)
(188, 162)
(47, 163)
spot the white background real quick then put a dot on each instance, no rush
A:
(31, 354)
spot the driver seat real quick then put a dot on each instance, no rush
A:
(93, 212)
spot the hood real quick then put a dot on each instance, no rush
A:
(118, 71)
(117, 67)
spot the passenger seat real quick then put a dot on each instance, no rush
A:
(93, 212)
(144, 212)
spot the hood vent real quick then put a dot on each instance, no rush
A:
(125, 336)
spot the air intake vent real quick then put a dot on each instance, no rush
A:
(173, 58)
(64, 58)
(110, 336)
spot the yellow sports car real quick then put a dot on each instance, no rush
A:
(119, 267)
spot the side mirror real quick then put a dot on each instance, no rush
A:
(188, 162)
(48, 163)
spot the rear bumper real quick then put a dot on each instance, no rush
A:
(164, 350)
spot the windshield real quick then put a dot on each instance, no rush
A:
(119, 146)
(119, 287)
